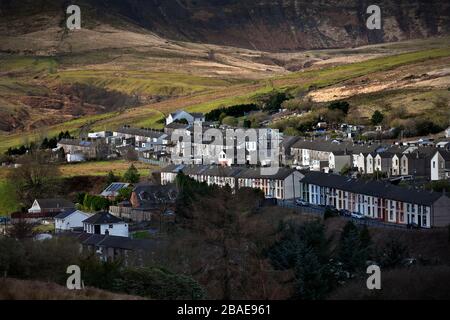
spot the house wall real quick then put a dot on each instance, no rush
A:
(75, 220)
(387, 210)
(437, 167)
(117, 229)
(441, 212)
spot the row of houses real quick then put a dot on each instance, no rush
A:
(377, 200)
(392, 160)
(282, 185)
(372, 199)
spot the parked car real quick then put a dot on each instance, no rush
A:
(301, 203)
(356, 215)
(345, 213)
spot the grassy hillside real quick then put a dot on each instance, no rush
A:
(200, 94)
(13, 289)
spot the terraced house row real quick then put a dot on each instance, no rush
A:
(377, 200)
(374, 199)
(282, 185)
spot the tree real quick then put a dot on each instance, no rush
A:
(37, 177)
(125, 194)
(230, 121)
(132, 175)
(354, 248)
(344, 106)
(95, 203)
(377, 118)
(393, 253)
(111, 178)
(21, 230)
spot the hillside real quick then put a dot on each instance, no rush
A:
(119, 69)
(12, 289)
(271, 25)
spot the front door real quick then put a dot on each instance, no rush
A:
(97, 229)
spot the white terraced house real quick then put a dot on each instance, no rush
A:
(377, 200)
(283, 185)
(440, 165)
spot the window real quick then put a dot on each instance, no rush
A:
(434, 164)
(111, 226)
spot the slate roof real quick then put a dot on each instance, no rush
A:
(237, 172)
(372, 188)
(77, 142)
(141, 132)
(116, 242)
(55, 203)
(103, 218)
(65, 214)
(150, 196)
(445, 154)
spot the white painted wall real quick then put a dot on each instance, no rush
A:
(75, 220)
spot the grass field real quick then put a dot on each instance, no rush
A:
(101, 168)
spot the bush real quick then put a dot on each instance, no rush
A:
(158, 284)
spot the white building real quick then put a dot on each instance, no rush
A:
(191, 118)
(340, 160)
(69, 220)
(440, 165)
(377, 200)
(447, 133)
(105, 223)
(282, 185)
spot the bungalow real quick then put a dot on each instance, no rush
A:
(377, 200)
(70, 220)
(105, 223)
(50, 207)
(440, 165)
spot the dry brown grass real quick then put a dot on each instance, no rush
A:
(12, 289)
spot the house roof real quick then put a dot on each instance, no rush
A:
(77, 142)
(177, 126)
(54, 203)
(103, 218)
(124, 243)
(444, 154)
(372, 188)
(114, 188)
(148, 133)
(65, 214)
(150, 196)
(252, 173)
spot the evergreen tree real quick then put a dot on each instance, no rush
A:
(132, 175)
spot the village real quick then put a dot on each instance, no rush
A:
(368, 182)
